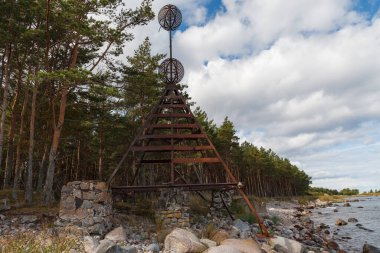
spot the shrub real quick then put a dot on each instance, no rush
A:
(241, 212)
(209, 231)
(275, 219)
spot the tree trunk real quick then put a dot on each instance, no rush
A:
(29, 182)
(57, 127)
(18, 167)
(78, 161)
(41, 170)
(48, 188)
(11, 138)
(100, 168)
(4, 104)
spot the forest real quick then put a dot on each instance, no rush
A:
(71, 102)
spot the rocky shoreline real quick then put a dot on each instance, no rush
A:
(289, 223)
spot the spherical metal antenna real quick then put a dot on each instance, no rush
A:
(172, 71)
(170, 17)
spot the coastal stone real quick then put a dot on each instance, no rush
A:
(323, 225)
(280, 249)
(360, 207)
(340, 222)
(268, 223)
(154, 248)
(118, 234)
(320, 203)
(234, 232)
(306, 219)
(332, 245)
(122, 249)
(266, 247)
(2, 217)
(287, 233)
(223, 249)
(29, 219)
(220, 236)
(367, 248)
(289, 245)
(346, 204)
(352, 220)
(309, 243)
(183, 241)
(104, 246)
(241, 225)
(209, 243)
(129, 249)
(90, 244)
(245, 246)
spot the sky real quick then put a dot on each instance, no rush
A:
(301, 77)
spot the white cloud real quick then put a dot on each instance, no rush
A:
(300, 77)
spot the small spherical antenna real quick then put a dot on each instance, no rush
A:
(172, 71)
(170, 17)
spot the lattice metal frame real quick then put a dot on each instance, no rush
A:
(172, 71)
(170, 17)
(163, 133)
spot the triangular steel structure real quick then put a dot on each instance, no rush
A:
(173, 143)
(172, 138)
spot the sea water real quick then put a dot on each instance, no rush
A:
(368, 216)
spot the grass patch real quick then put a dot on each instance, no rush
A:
(41, 243)
(145, 207)
(332, 198)
(7, 194)
(161, 234)
(198, 206)
(275, 219)
(240, 211)
(209, 231)
(304, 200)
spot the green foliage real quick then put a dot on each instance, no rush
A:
(276, 220)
(316, 191)
(321, 190)
(141, 84)
(240, 211)
(348, 191)
(248, 217)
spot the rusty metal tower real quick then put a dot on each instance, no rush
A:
(172, 143)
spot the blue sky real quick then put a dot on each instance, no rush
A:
(299, 77)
